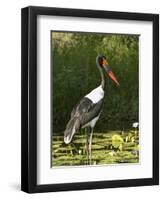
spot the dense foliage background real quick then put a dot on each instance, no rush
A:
(75, 74)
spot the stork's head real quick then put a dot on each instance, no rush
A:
(102, 63)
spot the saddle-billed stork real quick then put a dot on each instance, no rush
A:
(87, 112)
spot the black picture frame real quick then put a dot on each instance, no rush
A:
(29, 99)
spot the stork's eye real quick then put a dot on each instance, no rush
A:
(101, 61)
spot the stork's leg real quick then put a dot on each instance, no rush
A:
(90, 146)
(87, 145)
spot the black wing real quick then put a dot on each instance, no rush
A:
(86, 110)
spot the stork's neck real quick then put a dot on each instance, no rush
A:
(101, 74)
(102, 78)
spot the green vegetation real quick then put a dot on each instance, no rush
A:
(108, 148)
(75, 74)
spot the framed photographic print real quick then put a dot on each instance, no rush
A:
(90, 99)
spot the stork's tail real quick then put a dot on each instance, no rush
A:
(72, 127)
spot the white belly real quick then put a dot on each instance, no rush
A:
(92, 123)
(96, 95)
